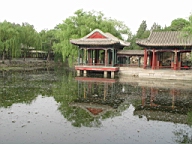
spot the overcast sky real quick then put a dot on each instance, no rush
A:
(46, 14)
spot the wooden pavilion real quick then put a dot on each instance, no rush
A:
(159, 45)
(98, 52)
(130, 58)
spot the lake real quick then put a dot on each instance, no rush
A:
(53, 106)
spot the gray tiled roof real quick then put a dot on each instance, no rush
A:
(130, 52)
(109, 40)
(166, 38)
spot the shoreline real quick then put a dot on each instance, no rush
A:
(125, 72)
(165, 74)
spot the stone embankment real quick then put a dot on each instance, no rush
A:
(29, 63)
(157, 74)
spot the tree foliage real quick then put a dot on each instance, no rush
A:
(156, 27)
(47, 38)
(178, 24)
(15, 39)
(9, 39)
(81, 24)
(29, 38)
(188, 27)
(141, 34)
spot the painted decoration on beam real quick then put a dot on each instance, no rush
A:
(96, 35)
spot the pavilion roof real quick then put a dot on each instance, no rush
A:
(108, 39)
(166, 38)
(130, 52)
(93, 109)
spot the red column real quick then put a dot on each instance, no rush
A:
(90, 55)
(106, 58)
(145, 59)
(158, 60)
(154, 60)
(175, 61)
(179, 60)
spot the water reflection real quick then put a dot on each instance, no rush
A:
(23, 86)
(99, 95)
(54, 106)
(95, 101)
(173, 105)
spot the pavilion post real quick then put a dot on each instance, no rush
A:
(113, 57)
(153, 61)
(86, 56)
(139, 61)
(106, 57)
(78, 56)
(91, 59)
(128, 60)
(145, 59)
(179, 60)
(175, 61)
(82, 53)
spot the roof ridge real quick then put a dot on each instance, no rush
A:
(92, 32)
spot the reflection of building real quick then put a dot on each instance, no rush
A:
(97, 95)
(165, 104)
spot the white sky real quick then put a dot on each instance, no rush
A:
(46, 14)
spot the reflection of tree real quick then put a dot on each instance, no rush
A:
(165, 104)
(183, 137)
(22, 87)
(189, 118)
(69, 91)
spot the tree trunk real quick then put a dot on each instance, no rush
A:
(48, 56)
(10, 58)
(24, 56)
(3, 57)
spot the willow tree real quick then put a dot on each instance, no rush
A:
(81, 24)
(9, 40)
(29, 38)
(47, 38)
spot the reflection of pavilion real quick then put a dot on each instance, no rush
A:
(165, 104)
(97, 95)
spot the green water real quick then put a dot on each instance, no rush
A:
(54, 106)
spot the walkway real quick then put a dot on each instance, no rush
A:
(158, 74)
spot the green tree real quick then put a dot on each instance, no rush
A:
(47, 38)
(29, 38)
(188, 27)
(9, 40)
(178, 24)
(141, 34)
(156, 27)
(81, 24)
